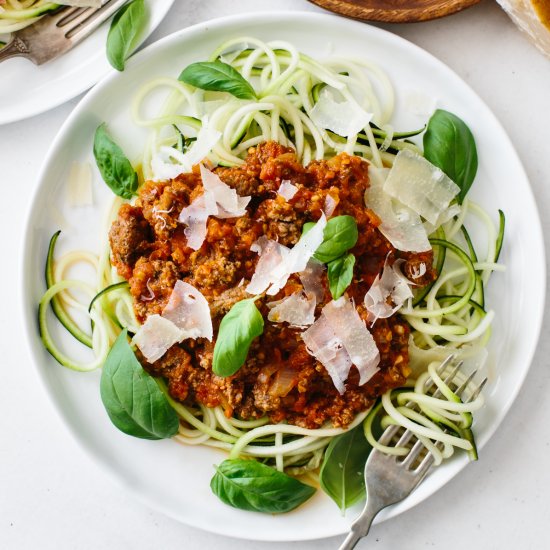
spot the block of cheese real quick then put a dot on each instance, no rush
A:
(533, 18)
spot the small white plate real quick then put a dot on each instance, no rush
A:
(28, 90)
(173, 478)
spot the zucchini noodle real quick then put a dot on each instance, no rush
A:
(18, 14)
(448, 316)
(441, 421)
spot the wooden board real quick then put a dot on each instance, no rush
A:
(395, 11)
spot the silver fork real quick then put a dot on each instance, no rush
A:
(57, 33)
(390, 479)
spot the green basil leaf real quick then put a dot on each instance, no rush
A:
(242, 323)
(134, 402)
(339, 236)
(340, 274)
(116, 170)
(450, 145)
(126, 27)
(342, 472)
(217, 76)
(250, 485)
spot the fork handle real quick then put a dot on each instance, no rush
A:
(16, 48)
(361, 525)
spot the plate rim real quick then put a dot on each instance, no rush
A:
(29, 320)
(86, 83)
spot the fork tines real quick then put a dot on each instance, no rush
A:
(419, 456)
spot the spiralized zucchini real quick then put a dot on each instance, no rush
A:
(448, 316)
(287, 84)
(18, 14)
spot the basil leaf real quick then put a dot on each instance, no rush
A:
(134, 402)
(217, 76)
(115, 168)
(250, 485)
(340, 274)
(242, 323)
(127, 25)
(342, 472)
(339, 236)
(450, 145)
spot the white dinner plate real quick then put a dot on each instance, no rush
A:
(173, 478)
(28, 90)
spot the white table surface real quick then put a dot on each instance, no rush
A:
(52, 496)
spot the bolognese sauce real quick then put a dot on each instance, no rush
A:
(280, 378)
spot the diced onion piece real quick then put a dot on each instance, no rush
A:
(330, 205)
(156, 336)
(323, 344)
(188, 309)
(230, 205)
(285, 379)
(195, 217)
(169, 163)
(400, 225)
(298, 310)
(287, 190)
(277, 262)
(388, 293)
(354, 335)
(345, 118)
(79, 184)
(420, 185)
(311, 279)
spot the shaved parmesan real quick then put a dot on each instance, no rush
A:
(169, 162)
(400, 225)
(218, 200)
(419, 271)
(355, 337)
(195, 216)
(453, 210)
(80, 184)
(186, 315)
(345, 118)
(287, 190)
(388, 293)
(230, 204)
(277, 262)
(420, 185)
(299, 256)
(323, 344)
(188, 309)
(272, 257)
(156, 336)
(340, 339)
(298, 310)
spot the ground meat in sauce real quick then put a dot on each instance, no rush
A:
(279, 378)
